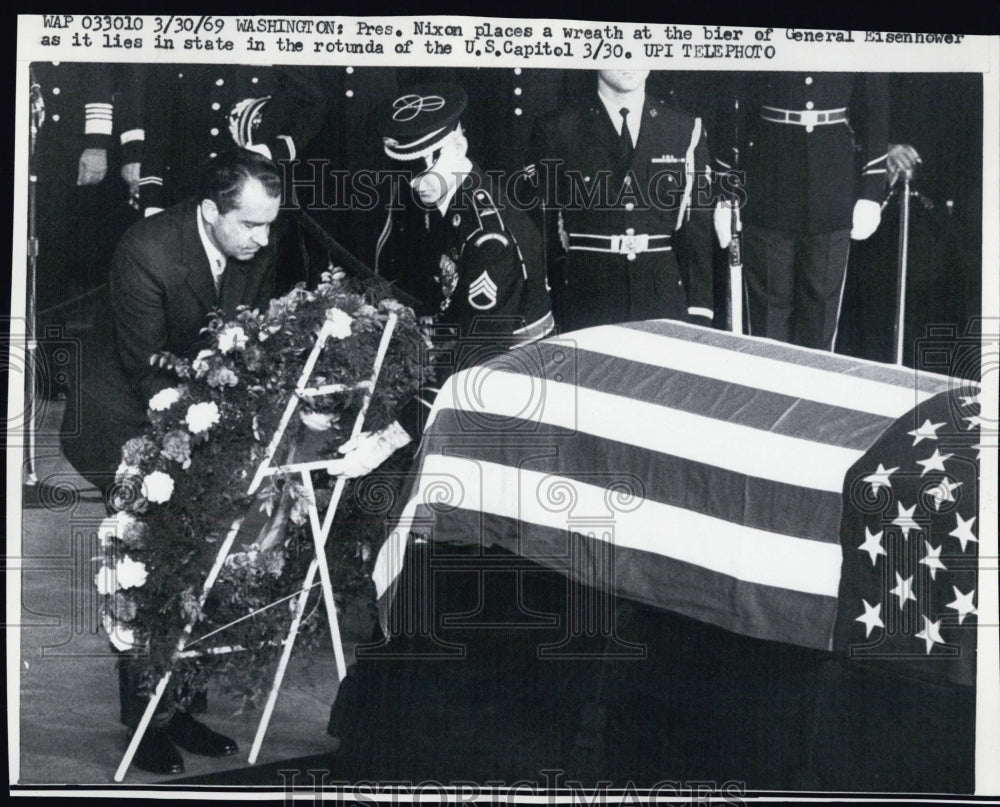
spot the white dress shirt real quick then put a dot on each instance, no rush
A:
(216, 260)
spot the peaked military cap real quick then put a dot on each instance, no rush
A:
(415, 123)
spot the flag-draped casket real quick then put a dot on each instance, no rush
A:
(777, 492)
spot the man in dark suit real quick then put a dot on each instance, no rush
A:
(170, 272)
(625, 185)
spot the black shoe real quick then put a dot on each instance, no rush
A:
(198, 738)
(157, 754)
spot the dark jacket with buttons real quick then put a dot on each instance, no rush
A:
(186, 119)
(478, 270)
(806, 179)
(588, 188)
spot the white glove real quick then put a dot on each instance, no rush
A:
(722, 218)
(367, 451)
(867, 215)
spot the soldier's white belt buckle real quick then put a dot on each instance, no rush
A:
(629, 244)
(809, 117)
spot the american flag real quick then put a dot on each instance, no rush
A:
(709, 474)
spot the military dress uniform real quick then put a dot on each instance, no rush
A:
(629, 234)
(194, 111)
(814, 144)
(478, 266)
(72, 220)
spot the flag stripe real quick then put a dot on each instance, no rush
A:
(748, 369)
(770, 506)
(734, 403)
(796, 357)
(695, 437)
(754, 556)
(751, 609)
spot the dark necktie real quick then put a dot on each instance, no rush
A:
(626, 135)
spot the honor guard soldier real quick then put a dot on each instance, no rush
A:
(452, 241)
(813, 148)
(195, 111)
(625, 181)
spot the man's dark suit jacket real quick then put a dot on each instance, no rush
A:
(161, 295)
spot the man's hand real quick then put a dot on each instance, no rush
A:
(902, 159)
(867, 215)
(365, 453)
(130, 175)
(93, 167)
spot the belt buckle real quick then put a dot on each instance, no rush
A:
(631, 244)
(809, 117)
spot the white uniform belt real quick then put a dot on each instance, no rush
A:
(628, 244)
(803, 117)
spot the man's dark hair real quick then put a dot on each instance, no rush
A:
(223, 177)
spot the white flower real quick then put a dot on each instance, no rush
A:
(158, 487)
(131, 573)
(121, 637)
(105, 580)
(108, 531)
(200, 363)
(126, 471)
(233, 337)
(164, 399)
(338, 323)
(201, 417)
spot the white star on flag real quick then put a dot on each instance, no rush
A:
(963, 604)
(963, 530)
(881, 477)
(932, 560)
(873, 544)
(926, 432)
(903, 590)
(941, 492)
(871, 618)
(974, 421)
(931, 634)
(969, 400)
(904, 520)
(935, 462)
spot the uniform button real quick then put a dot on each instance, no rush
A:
(629, 207)
(517, 71)
(214, 132)
(809, 104)
(631, 256)
(517, 91)
(216, 105)
(630, 231)
(809, 79)
(55, 64)
(809, 129)
(212, 156)
(348, 70)
(254, 80)
(180, 75)
(349, 93)
(518, 112)
(55, 118)
(56, 91)
(219, 82)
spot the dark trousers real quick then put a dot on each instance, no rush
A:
(133, 702)
(795, 283)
